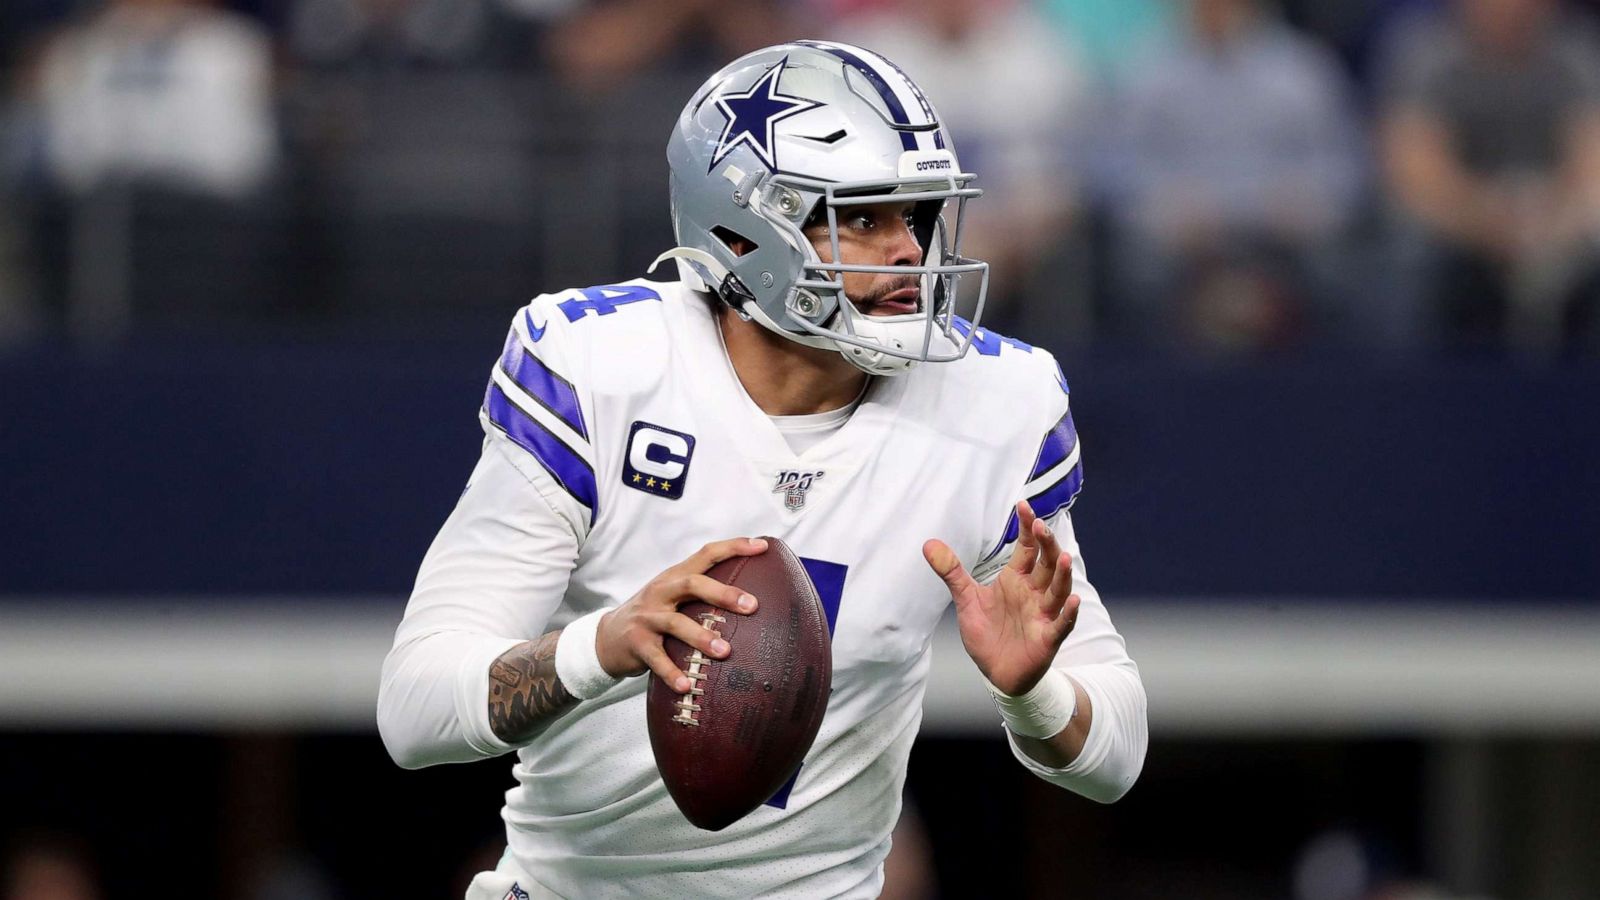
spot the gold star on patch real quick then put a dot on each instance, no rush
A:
(666, 485)
(637, 478)
(650, 483)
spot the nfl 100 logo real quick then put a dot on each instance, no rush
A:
(793, 486)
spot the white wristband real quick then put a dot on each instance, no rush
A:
(578, 663)
(1041, 713)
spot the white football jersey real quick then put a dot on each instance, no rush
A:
(618, 441)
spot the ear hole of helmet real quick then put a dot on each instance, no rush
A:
(737, 244)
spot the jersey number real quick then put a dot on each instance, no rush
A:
(829, 580)
(604, 300)
(986, 342)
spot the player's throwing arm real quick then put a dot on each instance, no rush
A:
(538, 680)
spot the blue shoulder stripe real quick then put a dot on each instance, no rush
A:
(1013, 531)
(1058, 496)
(570, 470)
(897, 110)
(1057, 446)
(542, 384)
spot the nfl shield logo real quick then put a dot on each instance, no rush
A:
(793, 487)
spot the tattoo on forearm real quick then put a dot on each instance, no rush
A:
(524, 692)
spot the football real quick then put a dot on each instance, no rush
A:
(740, 734)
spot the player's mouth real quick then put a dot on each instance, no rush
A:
(898, 302)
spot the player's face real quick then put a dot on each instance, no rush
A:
(875, 235)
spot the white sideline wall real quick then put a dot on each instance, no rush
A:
(1296, 667)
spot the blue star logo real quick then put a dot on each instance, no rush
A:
(752, 115)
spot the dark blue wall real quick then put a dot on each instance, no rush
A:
(1336, 480)
(316, 469)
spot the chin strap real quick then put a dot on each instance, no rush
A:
(687, 259)
(891, 334)
(699, 270)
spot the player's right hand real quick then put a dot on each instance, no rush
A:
(628, 640)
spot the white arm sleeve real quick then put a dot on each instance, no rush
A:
(492, 579)
(1095, 656)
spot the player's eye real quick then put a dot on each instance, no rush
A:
(863, 220)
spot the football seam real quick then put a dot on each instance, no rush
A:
(685, 704)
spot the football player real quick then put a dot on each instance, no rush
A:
(806, 377)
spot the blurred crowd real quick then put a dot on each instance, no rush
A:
(1214, 176)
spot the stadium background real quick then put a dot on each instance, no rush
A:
(1337, 379)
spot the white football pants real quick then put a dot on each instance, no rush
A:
(507, 881)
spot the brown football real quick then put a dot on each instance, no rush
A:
(728, 746)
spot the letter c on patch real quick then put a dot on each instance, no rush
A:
(658, 460)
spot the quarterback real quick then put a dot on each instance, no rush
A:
(806, 377)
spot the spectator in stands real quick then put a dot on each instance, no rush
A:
(167, 92)
(611, 41)
(144, 138)
(1012, 91)
(1233, 164)
(385, 36)
(1491, 144)
(1111, 32)
(439, 181)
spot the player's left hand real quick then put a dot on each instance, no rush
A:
(1013, 626)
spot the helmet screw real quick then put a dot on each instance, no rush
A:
(807, 305)
(788, 202)
(766, 279)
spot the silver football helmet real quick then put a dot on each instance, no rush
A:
(800, 133)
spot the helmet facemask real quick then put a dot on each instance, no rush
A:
(818, 305)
